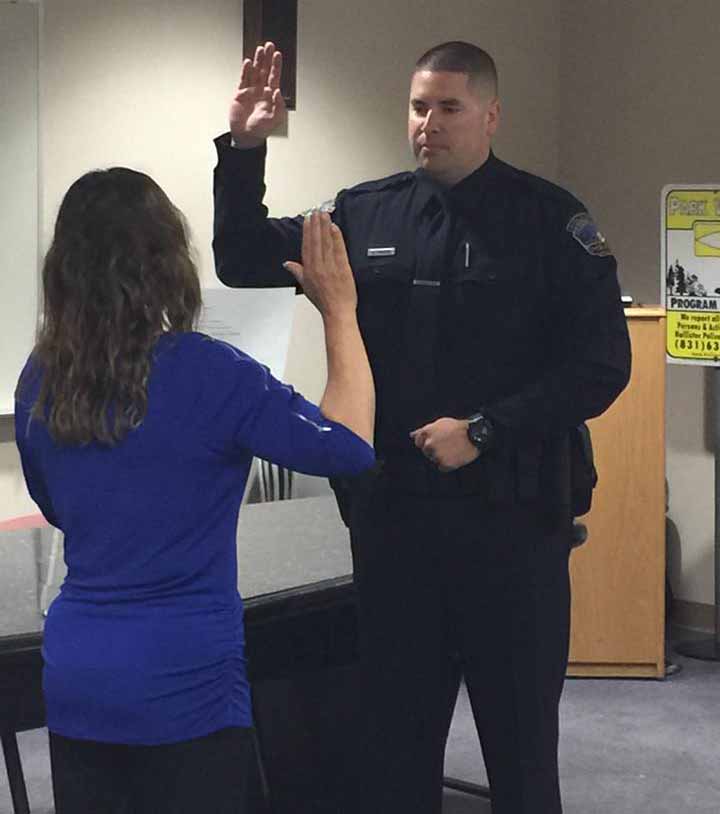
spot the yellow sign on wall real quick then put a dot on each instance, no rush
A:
(690, 276)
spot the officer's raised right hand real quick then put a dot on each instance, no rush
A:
(258, 107)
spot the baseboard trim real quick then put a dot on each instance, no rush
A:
(696, 615)
(634, 670)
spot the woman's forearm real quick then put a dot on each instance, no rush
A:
(349, 396)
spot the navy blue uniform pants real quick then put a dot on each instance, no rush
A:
(452, 587)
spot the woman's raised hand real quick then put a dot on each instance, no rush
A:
(325, 274)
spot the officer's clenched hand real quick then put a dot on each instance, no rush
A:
(325, 274)
(445, 442)
(258, 106)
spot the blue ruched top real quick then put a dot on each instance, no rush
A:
(145, 643)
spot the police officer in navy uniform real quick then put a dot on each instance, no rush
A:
(490, 308)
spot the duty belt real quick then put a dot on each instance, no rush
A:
(418, 476)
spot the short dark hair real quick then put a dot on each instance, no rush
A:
(461, 57)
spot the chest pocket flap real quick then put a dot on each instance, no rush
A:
(380, 267)
(497, 271)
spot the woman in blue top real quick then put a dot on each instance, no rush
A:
(136, 435)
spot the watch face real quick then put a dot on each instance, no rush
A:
(479, 432)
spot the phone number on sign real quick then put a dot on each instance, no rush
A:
(698, 344)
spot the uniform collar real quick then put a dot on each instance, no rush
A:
(430, 194)
(465, 191)
(468, 189)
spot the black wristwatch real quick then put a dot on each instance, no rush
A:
(481, 432)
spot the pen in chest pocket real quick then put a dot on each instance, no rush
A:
(467, 255)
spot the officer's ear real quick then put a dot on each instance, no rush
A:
(492, 116)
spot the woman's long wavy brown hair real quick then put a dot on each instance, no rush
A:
(119, 273)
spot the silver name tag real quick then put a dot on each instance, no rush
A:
(382, 251)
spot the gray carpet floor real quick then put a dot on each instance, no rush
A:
(627, 747)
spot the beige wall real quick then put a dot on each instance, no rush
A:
(639, 110)
(147, 85)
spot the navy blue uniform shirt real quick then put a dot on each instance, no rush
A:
(498, 294)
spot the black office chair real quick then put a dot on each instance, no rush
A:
(274, 481)
(16, 778)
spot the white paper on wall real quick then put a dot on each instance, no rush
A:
(257, 321)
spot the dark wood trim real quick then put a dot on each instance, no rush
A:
(274, 21)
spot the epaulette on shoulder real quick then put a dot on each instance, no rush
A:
(390, 182)
(542, 188)
(563, 208)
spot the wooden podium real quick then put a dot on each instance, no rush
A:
(618, 576)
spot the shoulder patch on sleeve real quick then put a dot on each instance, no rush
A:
(325, 206)
(582, 227)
